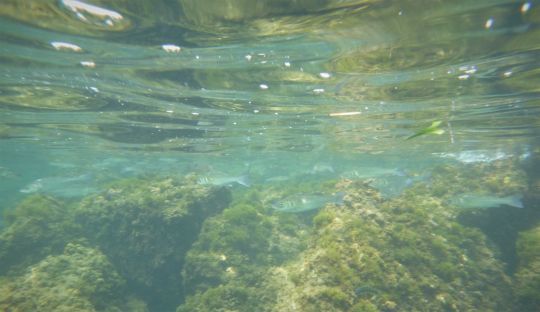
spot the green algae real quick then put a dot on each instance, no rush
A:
(227, 265)
(369, 254)
(410, 250)
(39, 226)
(527, 277)
(143, 227)
(146, 227)
(79, 279)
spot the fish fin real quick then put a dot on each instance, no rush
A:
(515, 201)
(244, 180)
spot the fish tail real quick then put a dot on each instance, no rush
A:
(244, 180)
(515, 201)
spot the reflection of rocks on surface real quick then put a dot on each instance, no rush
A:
(204, 12)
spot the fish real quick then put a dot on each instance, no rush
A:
(224, 180)
(476, 156)
(306, 202)
(372, 172)
(321, 168)
(481, 201)
(433, 129)
(7, 173)
(278, 179)
(76, 186)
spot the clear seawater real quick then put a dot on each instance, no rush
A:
(280, 92)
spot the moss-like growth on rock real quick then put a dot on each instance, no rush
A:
(406, 254)
(145, 227)
(370, 254)
(39, 226)
(228, 265)
(528, 274)
(80, 279)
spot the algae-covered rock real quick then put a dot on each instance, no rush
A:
(227, 268)
(501, 178)
(39, 226)
(407, 254)
(527, 277)
(145, 227)
(498, 180)
(80, 279)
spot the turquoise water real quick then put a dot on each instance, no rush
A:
(315, 155)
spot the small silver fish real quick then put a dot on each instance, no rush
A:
(321, 168)
(306, 202)
(224, 180)
(479, 201)
(7, 173)
(278, 179)
(74, 186)
(371, 172)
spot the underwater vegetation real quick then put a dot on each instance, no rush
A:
(141, 228)
(434, 128)
(226, 268)
(527, 277)
(79, 279)
(145, 227)
(404, 254)
(408, 253)
(160, 244)
(37, 227)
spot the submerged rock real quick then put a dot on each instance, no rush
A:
(80, 279)
(145, 228)
(405, 254)
(39, 226)
(527, 277)
(227, 268)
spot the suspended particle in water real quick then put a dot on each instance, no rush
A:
(324, 75)
(489, 23)
(263, 86)
(58, 45)
(88, 64)
(171, 48)
(525, 7)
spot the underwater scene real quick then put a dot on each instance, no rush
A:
(269, 155)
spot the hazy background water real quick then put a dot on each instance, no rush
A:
(92, 92)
